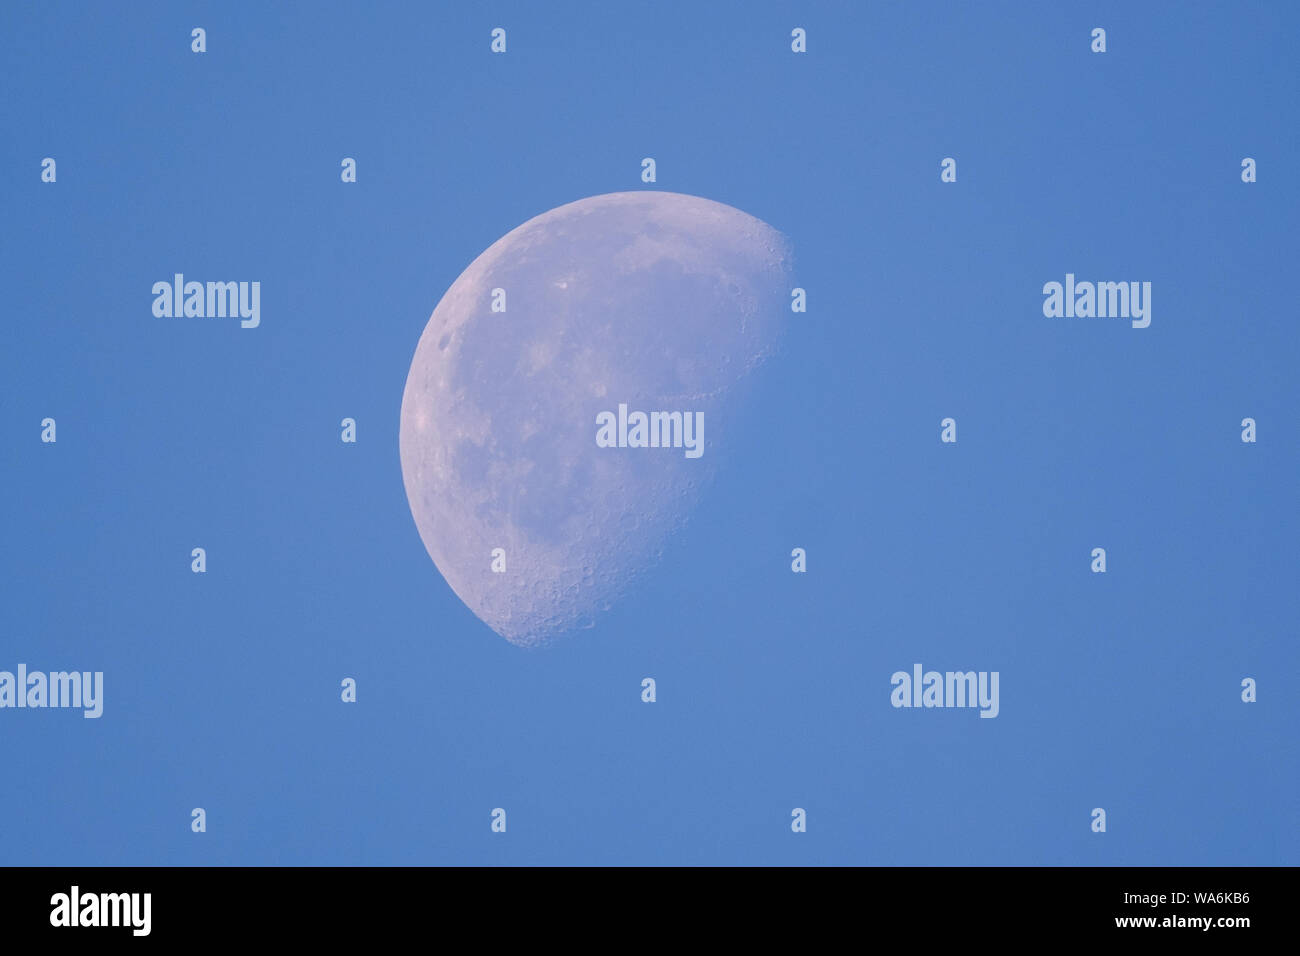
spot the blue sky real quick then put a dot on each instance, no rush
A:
(1119, 690)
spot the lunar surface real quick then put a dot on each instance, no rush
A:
(655, 300)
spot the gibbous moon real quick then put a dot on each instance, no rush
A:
(657, 301)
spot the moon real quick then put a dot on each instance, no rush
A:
(654, 300)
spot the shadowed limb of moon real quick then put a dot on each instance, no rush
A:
(661, 301)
